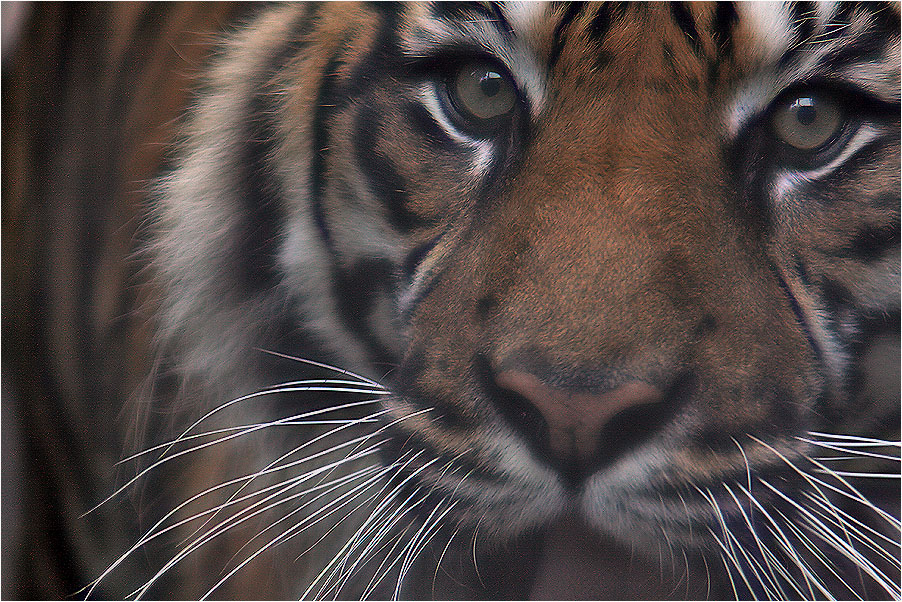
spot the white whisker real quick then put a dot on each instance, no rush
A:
(784, 542)
(254, 428)
(155, 532)
(766, 555)
(726, 546)
(844, 449)
(381, 529)
(856, 440)
(375, 521)
(246, 514)
(321, 365)
(307, 521)
(837, 543)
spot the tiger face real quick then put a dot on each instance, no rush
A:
(616, 266)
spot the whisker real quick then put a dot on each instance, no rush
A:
(425, 536)
(276, 466)
(320, 365)
(765, 554)
(155, 531)
(848, 518)
(168, 458)
(234, 520)
(855, 495)
(725, 545)
(381, 529)
(817, 553)
(837, 543)
(784, 542)
(835, 515)
(856, 440)
(844, 449)
(295, 529)
(441, 557)
(307, 522)
(374, 521)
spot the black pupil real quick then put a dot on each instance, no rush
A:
(490, 83)
(806, 114)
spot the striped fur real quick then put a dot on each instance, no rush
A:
(635, 217)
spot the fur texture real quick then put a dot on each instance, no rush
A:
(636, 320)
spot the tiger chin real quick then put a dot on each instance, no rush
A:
(532, 300)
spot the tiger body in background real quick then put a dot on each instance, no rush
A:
(527, 300)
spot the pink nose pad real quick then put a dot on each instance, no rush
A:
(576, 419)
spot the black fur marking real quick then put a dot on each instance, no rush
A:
(836, 296)
(324, 108)
(800, 317)
(460, 11)
(415, 257)
(261, 190)
(574, 10)
(686, 22)
(382, 60)
(804, 17)
(804, 20)
(379, 171)
(865, 48)
(870, 243)
(725, 19)
(608, 14)
(485, 305)
(707, 325)
(424, 122)
(501, 21)
(355, 291)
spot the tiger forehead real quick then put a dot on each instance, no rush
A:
(533, 38)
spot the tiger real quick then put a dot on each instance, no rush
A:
(454, 300)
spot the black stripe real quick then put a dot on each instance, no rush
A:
(800, 317)
(424, 122)
(867, 48)
(332, 97)
(804, 16)
(608, 14)
(804, 20)
(326, 103)
(725, 19)
(261, 189)
(835, 297)
(415, 257)
(686, 22)
(383, 60)
(459, 11)
(501, 21)
(870, 243)
(356, 289)
(574, 9)
(383, 179)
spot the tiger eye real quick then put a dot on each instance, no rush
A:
(807, 121)
(481, 91)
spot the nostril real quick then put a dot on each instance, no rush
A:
(578, 431)
(576, 420)
(521, 412)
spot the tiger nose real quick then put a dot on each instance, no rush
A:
(579, 430)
